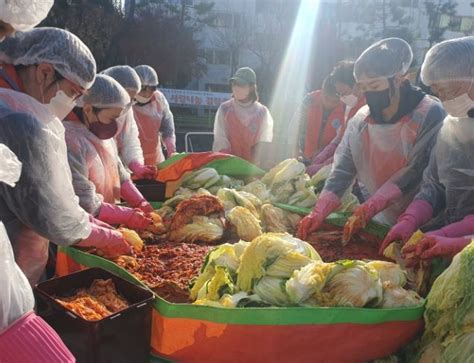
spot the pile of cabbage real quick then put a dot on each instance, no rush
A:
(449, 314)
(249, 208)
(285, 183)
(276, 269)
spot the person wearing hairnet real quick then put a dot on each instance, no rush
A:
(154, 118)
(98, 175)
(352, 100)
(386, 145)
(127, 139)
(22, 15)
(447, 192)
(242, 123)
(43, 71)
(318, 119)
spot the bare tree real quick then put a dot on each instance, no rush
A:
(435, 10)
(233, 39)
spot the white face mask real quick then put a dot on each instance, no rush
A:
(459, 106)
(61, 104)
(141, 99)
(349, 100)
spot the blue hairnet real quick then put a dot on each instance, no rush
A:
(63, 50)
(147, 75)
(126, 76)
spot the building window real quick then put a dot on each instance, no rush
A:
(467, 24)
(215, 56)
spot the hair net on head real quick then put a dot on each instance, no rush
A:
(106, 92)
(63, 50)
(24, 15)
(451, 60)
(384, 59)
(147, 75)
(126, 76)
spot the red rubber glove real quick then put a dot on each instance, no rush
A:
(436, 246)
(109, 241)
(130, 193)
(132, 218)
(327, 203)
(365, 212)
(418, 213)
(462, 228)
(142, 171)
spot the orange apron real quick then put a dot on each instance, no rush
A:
(148, 118)
(243, 138)
(319, 132)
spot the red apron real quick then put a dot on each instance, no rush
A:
(148, 118)
(319, 132)
(243, 138)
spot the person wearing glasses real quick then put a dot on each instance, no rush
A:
(154, 118)
(128, 142)
(98, 175)
(45, 71)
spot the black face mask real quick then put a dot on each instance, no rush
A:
(103, 131)
(378, 101)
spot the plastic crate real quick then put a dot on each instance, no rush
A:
(151, 190)
(120, 337)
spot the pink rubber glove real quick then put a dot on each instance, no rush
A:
(130, 193)
(170, 144)
(327, 203)
(436, 246)
(132, 218)
(458, 229)
(142, 171)
(314, 168)
(99, 223)
(418, 213)
(326, 153)
(109, 241)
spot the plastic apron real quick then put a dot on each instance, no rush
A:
(382, 153)
(454, 152)
(31, 249)
(320, 132)
(103, 163)
(148, 118)
(243, 138)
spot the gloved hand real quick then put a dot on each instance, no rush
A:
(326, 153)
(99, 223)
(365, 212)
(132, 218)
(109, 241)
(130, 193)
(313, 169)
(436, 246)
(143, 171)
(327, 203)
(462, 228)
(418, 213)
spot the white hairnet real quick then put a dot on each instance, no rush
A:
(384, 59)
(126, 76)
(24, 15)
(147, 75)
(106, 92)
(451, 60)
(69, 56)
(10, 167)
